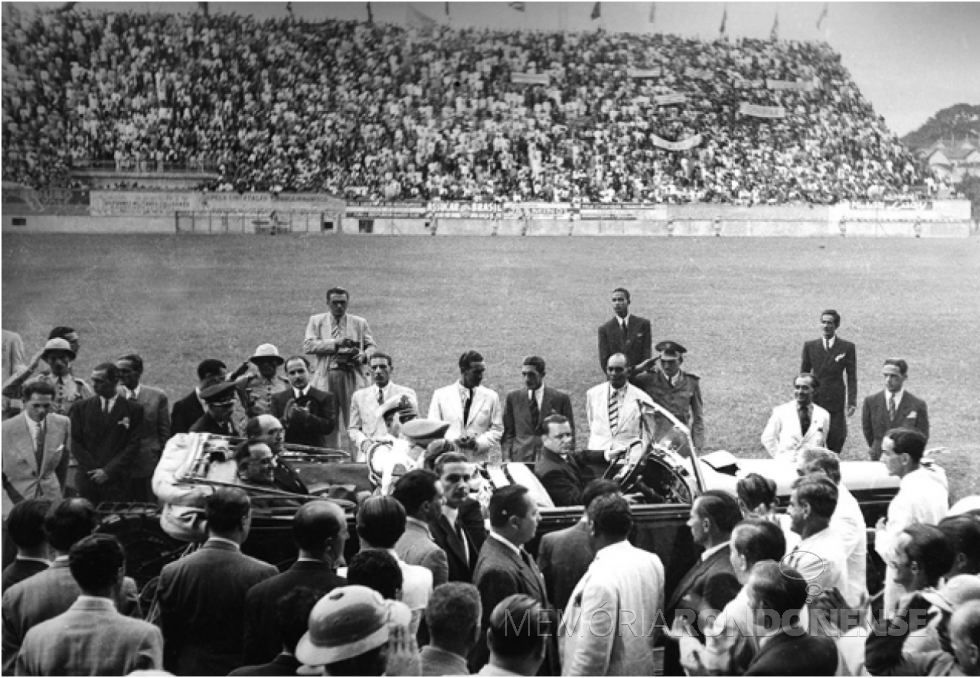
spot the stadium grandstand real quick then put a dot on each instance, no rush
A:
(369, 111)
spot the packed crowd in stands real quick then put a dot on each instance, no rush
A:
(382, 112)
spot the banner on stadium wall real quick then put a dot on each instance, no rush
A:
(762, 111)
(164, 203)
(670, 99)
(536, 209)
(893, 204)
(684, 145)
(142, 203)
(643, 73)
(619, 211)
(463, 210)
(386, 210)
(530, 78)
(801, 85)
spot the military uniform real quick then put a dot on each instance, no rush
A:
(257, 392)
(682, 399)
(68, 390)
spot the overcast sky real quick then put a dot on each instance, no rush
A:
(910, 59)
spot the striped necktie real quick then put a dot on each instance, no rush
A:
(614, 411)
(39, 445)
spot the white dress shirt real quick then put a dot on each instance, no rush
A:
(923, 497)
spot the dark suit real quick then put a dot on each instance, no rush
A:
(202, 609)
(564, 479)
(710, 584)
(19, 570)
(307, 428)
(154, 435)
(108, 442)
(186, 411)
(470, 516)
(636, 345)
(564, 558)
(802, 655)
(910, 413)
(208, 424)
(262, 639)
(829, 368)
(499, 573)
(282, 665)
(522, 440)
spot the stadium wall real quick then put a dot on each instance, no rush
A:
(159, 212)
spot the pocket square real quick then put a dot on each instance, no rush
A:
(912, 415)
(839, 358)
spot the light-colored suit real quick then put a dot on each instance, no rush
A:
(90, 639)
(416, 547)
(20, 463)
(366, 422)
(13, 362)
(597, 414)
(486, 421)
(783, 437)
(611, 617)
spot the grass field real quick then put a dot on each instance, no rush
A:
(743, 308)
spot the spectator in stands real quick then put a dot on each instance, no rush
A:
(25, 525)
(92, 637)
(453, 619)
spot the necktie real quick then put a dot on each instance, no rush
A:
(614, 411)
(466, 406)
(804, 419)
(891, 406)
(462, 541)
(335, 329)
(535, 412)
(39, 445)
(381, 397)
(622, 325)
(105, 407)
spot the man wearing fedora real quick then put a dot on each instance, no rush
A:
(258, 385)
(369, 405)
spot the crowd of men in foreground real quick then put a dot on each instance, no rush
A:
(433, 570)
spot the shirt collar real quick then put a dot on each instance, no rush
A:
(31, 425)
(226, 541)
(111, 401)
(626, 320)
(713, 550)
(511, 546)
(450, 513)
(464, 391)
(134, 393)
(301, 393)
(34, 560)
(421, 524)
(896, 396)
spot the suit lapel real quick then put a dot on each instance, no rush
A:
(452, 539)
(25, 444)
(546, 407)
(690, 578)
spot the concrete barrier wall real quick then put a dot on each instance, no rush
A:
(351, 226)
(80, 224)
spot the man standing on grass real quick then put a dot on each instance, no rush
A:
(526, 409)
(828, 358)
(368, 405)
(625, 333)
(155, 431)
(341, 344)
(798, 423)
(473, 412)
(892, 408)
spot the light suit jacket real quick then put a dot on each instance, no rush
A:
(782, 436)
(597, 413)
(20, 464)
(417, 547)
(323, 347)
(486, 420)
(90, 639)
(611, 618)
(366, 423)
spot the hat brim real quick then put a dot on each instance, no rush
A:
(71, 353)
(314, 655)
(278, 359)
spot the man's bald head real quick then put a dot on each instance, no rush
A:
(319, 527)
(964, 631)
(265, 429)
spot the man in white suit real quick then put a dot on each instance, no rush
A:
(368, 406)
(35, 449)
(341, 344)
(476, 421)
(798, 423)
(617, 641)
(613, 409)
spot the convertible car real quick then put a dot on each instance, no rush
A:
(658, 467)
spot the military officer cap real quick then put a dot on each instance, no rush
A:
(219, 393)
(419, 429)
(670, 350)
